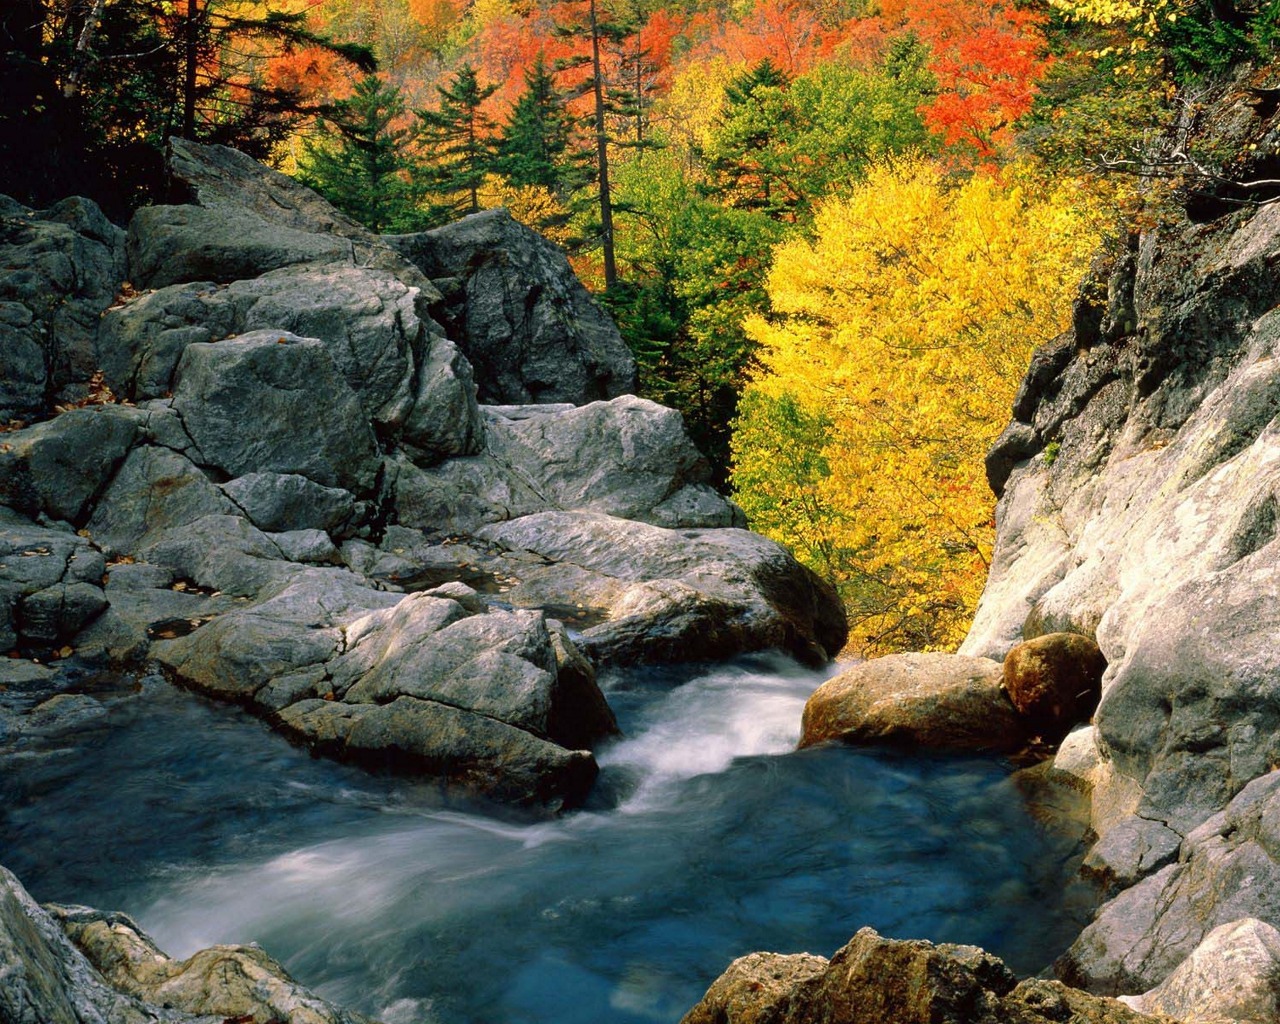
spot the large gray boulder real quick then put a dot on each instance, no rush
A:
(412, 383)
(514, 306)
(63, 266)
(269, 401)
(430, 682)
(236, 219)
(650, 594)
(628, 457)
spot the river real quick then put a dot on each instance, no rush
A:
(708, 837)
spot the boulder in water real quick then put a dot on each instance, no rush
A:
(933, 701)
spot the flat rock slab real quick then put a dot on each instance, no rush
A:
(933, 701)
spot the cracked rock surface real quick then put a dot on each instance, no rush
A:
(284, 492)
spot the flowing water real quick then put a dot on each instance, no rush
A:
(708, 837)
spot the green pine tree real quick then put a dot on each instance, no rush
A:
(535, 140)
(359, 161)
(460, 142)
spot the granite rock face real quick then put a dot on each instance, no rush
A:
(525, 323)
(64, 266)
(283, 490)
(1139, 483)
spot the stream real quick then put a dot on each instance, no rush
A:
(708, 837)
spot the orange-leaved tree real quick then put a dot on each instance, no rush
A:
(898, 335)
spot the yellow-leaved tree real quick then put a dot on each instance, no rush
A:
(898, 337)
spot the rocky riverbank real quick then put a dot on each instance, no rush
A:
(244, 443)
(1138, 484)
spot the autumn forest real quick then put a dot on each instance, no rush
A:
(831, 231)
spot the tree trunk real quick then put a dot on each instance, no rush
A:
(84, 40)
(191, 55)
(602, 156)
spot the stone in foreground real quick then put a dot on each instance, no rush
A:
(933, 701)
(874, 980)
(73, 965)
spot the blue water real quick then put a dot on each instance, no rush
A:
(709, 837)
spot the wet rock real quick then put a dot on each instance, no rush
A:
(50, 582)
(906, 982)
(44, 979)
(1233, 975)
(1054, 681)
(421, 683)
(65, 265)
(522, 318)
(21, 674)
(425, 737)
(935, 701)
(220, 983)
(55, 614)
(270, 401)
